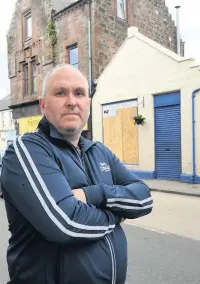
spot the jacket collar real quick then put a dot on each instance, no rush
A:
(49, 130)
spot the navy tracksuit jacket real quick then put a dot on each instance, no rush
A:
(55, 238)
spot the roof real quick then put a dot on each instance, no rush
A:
(133, 33)
(57, 5)
(4, 103)
(61, 4)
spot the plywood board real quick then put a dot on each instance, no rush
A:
(129, 135)
(113, 135)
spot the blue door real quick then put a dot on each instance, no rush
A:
(168, 142)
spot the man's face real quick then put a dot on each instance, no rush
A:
(66, 104)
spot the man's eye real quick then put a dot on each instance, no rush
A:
(79, 93)
(60, 93)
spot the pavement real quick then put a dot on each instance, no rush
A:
(174, 187)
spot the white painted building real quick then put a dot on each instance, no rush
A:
(160, 84)
(7, 127)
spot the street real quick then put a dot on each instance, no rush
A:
(164, 247)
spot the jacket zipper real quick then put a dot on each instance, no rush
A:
(111, 248)
(113, 259)
(82, 164)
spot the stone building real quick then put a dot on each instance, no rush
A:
(84, 33)
(7, 125)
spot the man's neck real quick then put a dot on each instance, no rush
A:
(73, 140)
(67, 135)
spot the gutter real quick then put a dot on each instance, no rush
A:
(194, 136)
(67, 8)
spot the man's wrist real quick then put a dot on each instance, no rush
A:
(79, 194)
(95, 195)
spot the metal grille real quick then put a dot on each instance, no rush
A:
(168, 142)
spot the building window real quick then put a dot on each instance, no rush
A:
(10, 119)
(25, 79)
(121, 9)
(34, 77)
(28, 26)
(3, 119)
(73, 55)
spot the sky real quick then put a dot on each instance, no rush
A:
(189, 29)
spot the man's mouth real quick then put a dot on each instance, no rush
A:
(71, 114)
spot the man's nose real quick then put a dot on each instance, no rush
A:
(71, 100)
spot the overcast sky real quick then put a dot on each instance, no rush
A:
(189, 26)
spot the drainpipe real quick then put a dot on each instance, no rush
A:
(89, 49)
(194, 136)
(90, 67)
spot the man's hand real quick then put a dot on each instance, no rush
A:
(79, 194)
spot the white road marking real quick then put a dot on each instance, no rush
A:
(147, 228)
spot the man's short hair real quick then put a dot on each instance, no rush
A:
(44, 87)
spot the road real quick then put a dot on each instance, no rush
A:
(164, 247)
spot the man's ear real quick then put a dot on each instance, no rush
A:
(42, 105)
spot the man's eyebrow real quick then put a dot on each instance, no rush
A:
(80, 89)
(76, 88)
(56, 88)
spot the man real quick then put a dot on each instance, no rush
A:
(66, 196)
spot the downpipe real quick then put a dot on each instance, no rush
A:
(194, 136)
(90, 75)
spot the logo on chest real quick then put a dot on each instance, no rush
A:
(104, 167)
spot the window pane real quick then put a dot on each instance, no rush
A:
(29, 27)
(35, 85)
(34, 77)
(25, 72)
(73, 56)
(25, 79)
(34, 69)
(121, 9)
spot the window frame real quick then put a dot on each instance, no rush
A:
(3, 119)
(125, 10)
(28, 16)
(34, 77)
(69, 48)
(26, 80)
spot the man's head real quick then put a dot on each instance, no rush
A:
(65, 100)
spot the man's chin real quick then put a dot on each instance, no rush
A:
(70, 130)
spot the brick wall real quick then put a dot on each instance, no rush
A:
(150, 16)
(20, 51)
(109, 32)
(154, 21)
(72, 28)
